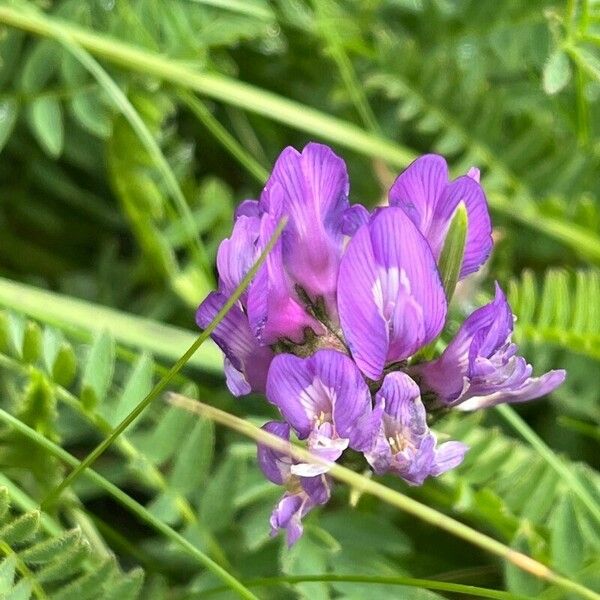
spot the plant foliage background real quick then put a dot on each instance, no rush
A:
(129, 131)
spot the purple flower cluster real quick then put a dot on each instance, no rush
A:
(330, 326)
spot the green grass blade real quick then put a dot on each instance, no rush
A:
(85, 319)
(220, 88)
(428, 584)
(129, 503)
(242, 7)
(204, 115)
(166, 379)
(363, 484)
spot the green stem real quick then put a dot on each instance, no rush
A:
(245, 159)
(364, 484)
(166, 379)
(429, 584)
(515, 421)
(134, 507)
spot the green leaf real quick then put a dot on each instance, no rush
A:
(98, 370)
(92, 113)
(21, 528)
(38, 405)
(47, 550)
(32, 342)
(4, 503)
(89, 585)
(7, 573)
(564, 311)
(22, 591)
(128, 588)
(9, 110)
(137, 387)
(217, 507)
(566, 541)
(451, 257)
(308, 555)
(64, 367)
(46, 122)
(557, 72)
(194, 458)
(165, 438)
(65, 564)
(40, 66)
(517, 580)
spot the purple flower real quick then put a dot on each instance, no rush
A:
(274, 309)
(405, 445)
(246, 362)
(311, 189)
(390, 297)
(424, 193)
(352, 296)
(314, 186)
(303, 493)
(326, 401)
(480, 366)
(237, 254)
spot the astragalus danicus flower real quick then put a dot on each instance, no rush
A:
(332, 326)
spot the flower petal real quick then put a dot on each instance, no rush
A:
(530, 389)
(235, 379)
(448, 456)
(418, 189)
(233, 336)
(324, 388)
(291, 386)
(287, 515)
(479, 235)
(424, 193)
(353, 218)
(237, 254)
(315, 196)
(324, 447)
(390, 297)
(273, 308)
(402, 402)
(274, 464)
(480, 366)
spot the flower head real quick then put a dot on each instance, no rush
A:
(480, 367)
(405, 445)
(326, 401)
(332, 326)
(302, 493)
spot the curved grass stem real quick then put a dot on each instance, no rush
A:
(367, 486)
(428, 584)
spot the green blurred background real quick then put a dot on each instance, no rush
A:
(130, 130)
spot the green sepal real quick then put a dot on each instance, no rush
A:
(453, 251)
